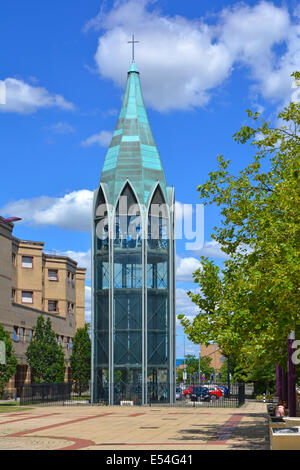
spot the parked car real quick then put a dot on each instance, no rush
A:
(178, 393)
(188, 392)
(225, 391)
(215, 392)
(200, 394)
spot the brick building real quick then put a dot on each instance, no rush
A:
(33, 283)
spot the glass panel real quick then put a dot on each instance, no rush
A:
(27, 297)
(157, 386)
(52, 306)
(158, 300)
(27, 261)
(128, 280)
(101, 385)
(52, 275)
(15, 334)
(22, 335)
(128, 385)
(101, 301)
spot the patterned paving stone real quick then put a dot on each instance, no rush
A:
(121, 428)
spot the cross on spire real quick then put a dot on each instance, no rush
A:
(132, 42)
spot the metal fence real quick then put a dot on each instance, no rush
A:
(232, 396)
(80, 394)
(55, 394)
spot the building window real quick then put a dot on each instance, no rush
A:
(22, 334)
(27, 262)
(52, 274)
(30, 335)
(13, 295)
(70, 307)
(27, 297)
(13, 258)
(16, 333)
(61, 340)
(52, 306)
(69, 343)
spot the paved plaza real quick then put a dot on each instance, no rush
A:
(132, 428)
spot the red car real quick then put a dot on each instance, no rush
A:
(213, 391)
(187, 393)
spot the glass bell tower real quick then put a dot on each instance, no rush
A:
(133, 265)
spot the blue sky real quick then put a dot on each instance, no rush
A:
(64, 66)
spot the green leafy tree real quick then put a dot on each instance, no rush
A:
(250, 306)
(80, 360)
(224, 371)
(8, 369)
(44, 355)
(261, 373)
(192, 367)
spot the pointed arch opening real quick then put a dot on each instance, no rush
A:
(128, 223)
(101, 222)
(158, 221)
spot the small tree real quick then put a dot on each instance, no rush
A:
(44, 355)
(192, 367)
(8, 369)
(80, 361)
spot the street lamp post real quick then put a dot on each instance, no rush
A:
(184, 364)
(199, 372)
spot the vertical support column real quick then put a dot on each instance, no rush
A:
(94, 396)
(111, 310)
(291, 377)
(144, 307)
(171, 286)
(93, 356)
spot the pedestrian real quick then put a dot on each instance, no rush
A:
(280, 409)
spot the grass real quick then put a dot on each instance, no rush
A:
(12, 407)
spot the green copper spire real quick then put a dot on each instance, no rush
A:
(132, 154)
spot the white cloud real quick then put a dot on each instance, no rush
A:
(88, 304)
(103, 139)
(185, 267)
(183, 61)
(24, 98)
(211, 249)
(62, 128)
(72, 211)
(251, 33)
(83, 259)
(184, 304)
